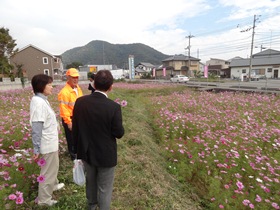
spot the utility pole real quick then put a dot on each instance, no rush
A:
(261, 47)
(252, 45)
(189, 47)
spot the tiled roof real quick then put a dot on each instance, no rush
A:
(181, 58)
(146, 64)
(264, 58)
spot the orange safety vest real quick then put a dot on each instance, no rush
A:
(67, 97)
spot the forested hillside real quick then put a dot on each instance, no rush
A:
(101, 52)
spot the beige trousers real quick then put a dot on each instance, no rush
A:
(50, 171)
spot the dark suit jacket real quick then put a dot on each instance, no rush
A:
(97, 122)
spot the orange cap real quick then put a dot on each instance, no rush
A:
(73, 72)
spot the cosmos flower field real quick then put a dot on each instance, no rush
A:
(225, 145)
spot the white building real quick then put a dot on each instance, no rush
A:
(265, 64)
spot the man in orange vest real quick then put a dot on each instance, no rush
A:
(67, 97)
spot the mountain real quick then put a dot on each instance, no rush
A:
(101, 52)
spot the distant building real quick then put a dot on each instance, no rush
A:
(37, 61)
(218, 67)
(117, 73)
(144, 67)
(265, 64)
(178, 64)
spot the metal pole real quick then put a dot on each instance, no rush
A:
(189, 47)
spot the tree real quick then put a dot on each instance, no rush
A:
(75, 65)
(7, 49)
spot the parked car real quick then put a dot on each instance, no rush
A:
(179, 78)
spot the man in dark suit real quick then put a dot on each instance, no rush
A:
(97, 122)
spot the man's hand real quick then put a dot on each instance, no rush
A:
(70, 126)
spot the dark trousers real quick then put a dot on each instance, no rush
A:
(99, 186)
(69, 139)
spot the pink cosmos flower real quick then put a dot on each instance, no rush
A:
(13, 185)
(251, 206)
(267, 190)
(239, 185)
(123, 103)
(258, 198)
(246, 202)
(19, 200)
(3, 151)
(221, 206)
(275, 205)
(226, 186)
(12, 196)
(16, 144)
(13, 158)
(41, 162)
(19, 194)
(41, 178)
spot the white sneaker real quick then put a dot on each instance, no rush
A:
(49, 203)
(58, 186)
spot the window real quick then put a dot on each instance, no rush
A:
(46, 71)
(269, 69)
(258, 71)
(56, 60)
(45, 60)
(55, 71)
(243, 71)
(193, 63)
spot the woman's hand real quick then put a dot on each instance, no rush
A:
(35, 156)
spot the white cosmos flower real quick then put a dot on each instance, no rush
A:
(259, 180)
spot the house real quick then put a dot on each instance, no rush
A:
(218, 67)
(178, 64)
(142, 68)
(265, 64)
(37, 61)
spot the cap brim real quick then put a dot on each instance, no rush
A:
(74, 75)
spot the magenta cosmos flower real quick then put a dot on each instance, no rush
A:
(41, 162)
(41, 178)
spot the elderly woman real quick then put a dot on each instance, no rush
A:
(45, 138)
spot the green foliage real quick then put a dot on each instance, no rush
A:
(74, 64)
(198, 74)
(7, 49)
(146, 76)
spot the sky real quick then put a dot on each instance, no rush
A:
(204, 29)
